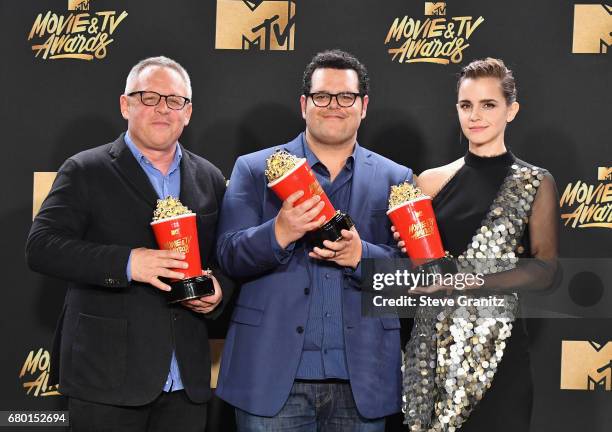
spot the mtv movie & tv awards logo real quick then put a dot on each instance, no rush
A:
(35, 374)
(436, 38)
(588, 205)
(586, 365)
(261, 25)
(79, 34)
(592, 28)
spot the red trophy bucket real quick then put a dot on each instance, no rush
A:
(175, 228)
(287, 174)
(412, 215)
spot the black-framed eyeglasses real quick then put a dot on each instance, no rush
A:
(151, 98)
(344, 99)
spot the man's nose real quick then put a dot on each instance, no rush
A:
(162, 106)
(333, 103)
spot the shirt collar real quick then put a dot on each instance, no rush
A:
(312, 159)
(178, 154)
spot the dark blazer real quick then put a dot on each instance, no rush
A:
(114, 339)
(264, 342)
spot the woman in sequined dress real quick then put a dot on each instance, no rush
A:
(488, 204)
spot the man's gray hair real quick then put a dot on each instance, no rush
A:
(160, 61)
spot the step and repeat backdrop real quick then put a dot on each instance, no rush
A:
(64, 64)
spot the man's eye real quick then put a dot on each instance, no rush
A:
(346, 97)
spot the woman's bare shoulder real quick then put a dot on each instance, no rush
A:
(431, 181)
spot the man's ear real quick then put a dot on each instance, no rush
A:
(124, 106)
(303, 102)
(364, 106)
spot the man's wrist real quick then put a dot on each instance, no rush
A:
(359, 255)
(278, 233)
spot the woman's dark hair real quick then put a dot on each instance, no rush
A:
(491, 68)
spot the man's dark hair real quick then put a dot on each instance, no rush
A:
(336, 59)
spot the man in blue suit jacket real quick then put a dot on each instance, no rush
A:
(298, 350)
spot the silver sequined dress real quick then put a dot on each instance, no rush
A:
(465, 368)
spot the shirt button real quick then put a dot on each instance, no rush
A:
(326, 275)
(306, 291)
(327, 314)
(299, 329)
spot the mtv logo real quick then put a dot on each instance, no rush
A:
(42, 185)
(592, 28)
(604, 173)
(78, 5)
(586, 365)
(255, 24)
(251, 44)
(435, 8)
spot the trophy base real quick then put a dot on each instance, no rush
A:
(330, 230)
(186, 289)
(442, 265)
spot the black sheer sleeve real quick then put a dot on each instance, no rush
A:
(537, 272)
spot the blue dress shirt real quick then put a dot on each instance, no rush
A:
(323, 354)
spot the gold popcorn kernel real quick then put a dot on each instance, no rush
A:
(169, 207)
(402, 193)
(279, 163)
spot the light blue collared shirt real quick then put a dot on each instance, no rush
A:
(164, 185)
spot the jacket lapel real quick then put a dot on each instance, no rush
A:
(124, 161)
(363, 175)
(296, 147)
(187, 195)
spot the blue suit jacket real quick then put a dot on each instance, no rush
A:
(264, 342)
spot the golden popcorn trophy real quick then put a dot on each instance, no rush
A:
(286, 174)
(175, 228)
(412, 215)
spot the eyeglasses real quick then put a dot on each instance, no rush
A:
(344, 99)
(151, 98)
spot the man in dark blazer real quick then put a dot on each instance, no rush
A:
(299, 353)
(126, 359)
